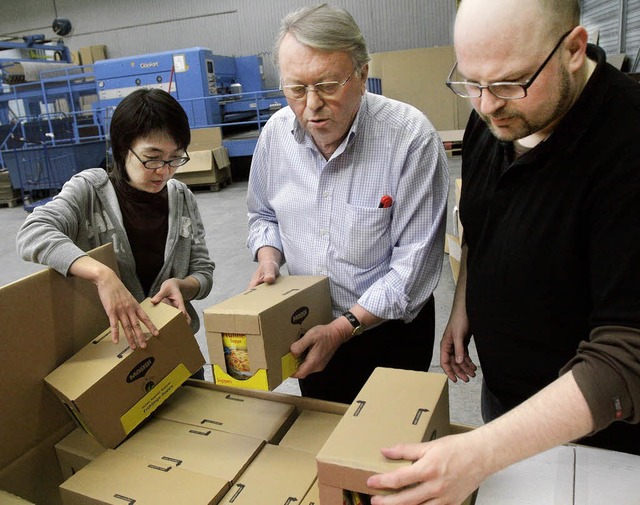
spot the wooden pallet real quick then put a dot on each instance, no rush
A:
(11, 202)
(214, 186)
(452, 141)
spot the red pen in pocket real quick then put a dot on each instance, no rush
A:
(385, 202)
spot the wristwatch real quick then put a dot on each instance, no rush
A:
(358, 327)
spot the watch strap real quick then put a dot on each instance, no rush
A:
(358, 327)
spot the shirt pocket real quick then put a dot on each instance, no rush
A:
(365, 237)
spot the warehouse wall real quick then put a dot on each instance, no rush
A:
(618, 25)
(230, 28)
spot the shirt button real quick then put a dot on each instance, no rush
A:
(325, 194)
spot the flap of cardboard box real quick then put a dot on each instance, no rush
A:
(232, 413)
(139, 480)
(310, 431)
(380, 418)
(200, 161)
(221, 157)
(277, 475)
(203, 450)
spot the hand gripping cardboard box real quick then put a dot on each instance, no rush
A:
(380, 417)
(249, 334)
(120, 478)
(110, 389)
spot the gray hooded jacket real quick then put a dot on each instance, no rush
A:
(86, 214)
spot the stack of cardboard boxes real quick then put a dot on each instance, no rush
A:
(8, 195)
(259, 447)
(156, 441)
(209, 164)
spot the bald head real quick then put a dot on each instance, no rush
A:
(518, 23)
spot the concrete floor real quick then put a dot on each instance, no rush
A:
(224, 215)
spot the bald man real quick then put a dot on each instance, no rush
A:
(549, 284)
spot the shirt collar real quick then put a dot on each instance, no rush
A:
(301, 136)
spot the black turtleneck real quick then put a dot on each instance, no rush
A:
(146, 220)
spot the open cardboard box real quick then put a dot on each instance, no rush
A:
(46, 318)
(268, 319)
(110, 389)
(207, 166)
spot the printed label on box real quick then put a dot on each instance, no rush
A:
(154, 398)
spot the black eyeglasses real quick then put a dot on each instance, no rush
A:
(157, 164)
(328, 88)
(506, 90)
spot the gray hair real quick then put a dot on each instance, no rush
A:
(326, 28)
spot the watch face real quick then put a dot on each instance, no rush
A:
(358, 330)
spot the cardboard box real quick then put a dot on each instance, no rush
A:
(544, 479)
(11, 499)
(202, 450)
(270, 318)
(91, 54)
(206, 167)
(205, 139)
(77, 450)
(454, 250)
(606, 477)
(135, 382)
(277, 476)
(232, 413)
(118, 477)
(415, 76)
(310, 431)
(98, 52)
(46, 318)
(313, 495)
(377, 418)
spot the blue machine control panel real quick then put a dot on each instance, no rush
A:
(194, 75)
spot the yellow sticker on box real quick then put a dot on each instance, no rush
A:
(154, 398)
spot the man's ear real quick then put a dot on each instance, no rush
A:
(364, 73)
(576, 44)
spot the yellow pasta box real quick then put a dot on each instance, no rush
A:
(249, 334)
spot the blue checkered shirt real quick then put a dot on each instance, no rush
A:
(324, 215)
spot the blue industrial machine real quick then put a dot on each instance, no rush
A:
(214, 90)
(58, 125)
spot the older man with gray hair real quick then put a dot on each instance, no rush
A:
(354, 186)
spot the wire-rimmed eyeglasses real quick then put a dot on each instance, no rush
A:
(328, 88)
(158, 164)
(505, 90)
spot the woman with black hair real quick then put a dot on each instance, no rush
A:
(151, 219)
